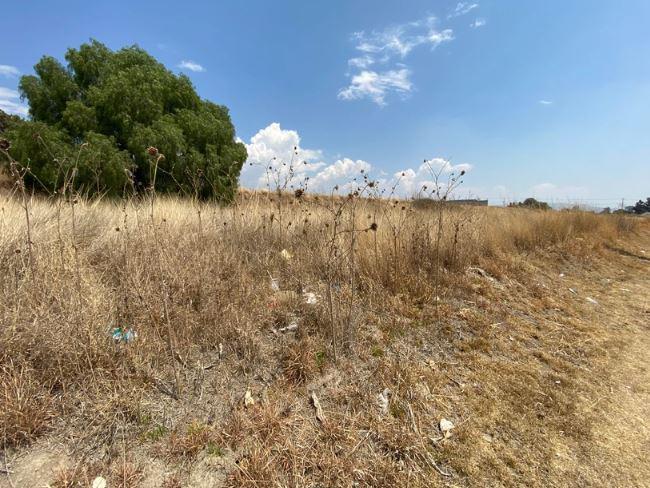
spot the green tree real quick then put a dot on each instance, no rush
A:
(101, 112)
(532, 203)
(642, 207)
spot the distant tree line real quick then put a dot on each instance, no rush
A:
(641, 207)
(638, 208)
(96, 117)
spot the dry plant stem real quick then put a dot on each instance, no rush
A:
(438, 240)
(164, 284)
(201, 245)
(19, 182)
(351, 326)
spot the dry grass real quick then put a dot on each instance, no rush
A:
(466, 331)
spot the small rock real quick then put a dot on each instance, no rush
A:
(446, 427)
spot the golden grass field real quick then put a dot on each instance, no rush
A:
(527, 330)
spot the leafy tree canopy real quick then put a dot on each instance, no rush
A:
(101, 112)
(642, 207)
(531, 203)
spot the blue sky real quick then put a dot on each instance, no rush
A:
(547, 98)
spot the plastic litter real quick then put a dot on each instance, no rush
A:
(293, 325)
(320, 416)
(124, 334)
(383, 401)
(286, 255)
(446, 427)
(99, 482)
(275, 284)
(310, 298)
(591, 300)
(249, 401)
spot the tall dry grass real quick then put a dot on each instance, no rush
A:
(194, 281)
(96, 267)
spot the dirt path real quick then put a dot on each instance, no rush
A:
(622, 439)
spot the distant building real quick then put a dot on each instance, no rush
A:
(473, 201)
(430, 202)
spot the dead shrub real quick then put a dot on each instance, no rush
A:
(26, 407)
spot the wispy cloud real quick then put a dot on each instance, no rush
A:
(400, 40)
(385, 51)
(552, 191)
(9, 71)
(9, 102)
(462, 8)
(361, 62)
(545, 102)
(375, 86)
(191, 66)
(478, 23)
(8, 93)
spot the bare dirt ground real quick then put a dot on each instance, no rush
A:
(622, 439)
(607, 294)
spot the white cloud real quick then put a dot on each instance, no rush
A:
(272, 148)
(478, 23)
(9, 103)
(271, 152)
(411, 182)
(9, 71)
(191, 66)
(8, 93)
(389, 47)
(362, 62)
(375, 86)
(14, 108)
(462, 8)
(346, 174)
(400, 40)
(436, 38)
(545, 102)
(275, 142)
